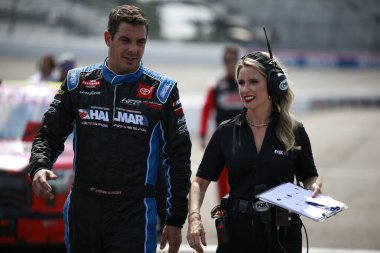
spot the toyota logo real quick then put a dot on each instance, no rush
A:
(144, 91)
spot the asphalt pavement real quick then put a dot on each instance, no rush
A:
(346, 152)
(345, 140)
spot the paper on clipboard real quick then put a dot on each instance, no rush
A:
(294, 198)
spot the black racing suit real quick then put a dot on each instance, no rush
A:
(123, 126)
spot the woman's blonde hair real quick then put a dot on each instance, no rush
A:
(281, 105)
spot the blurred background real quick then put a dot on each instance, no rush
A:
(331, 50)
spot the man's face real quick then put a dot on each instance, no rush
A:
(230, 61)
(126, 48)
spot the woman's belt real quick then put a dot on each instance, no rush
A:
(249, 206)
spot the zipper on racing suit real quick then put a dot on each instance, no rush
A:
(114, 104)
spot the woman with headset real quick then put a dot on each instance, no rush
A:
(262, 147)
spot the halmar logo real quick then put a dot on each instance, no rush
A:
(123, 117)
(94, 114)
(135, 119)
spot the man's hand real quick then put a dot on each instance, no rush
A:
(40, 183)
(174, 236)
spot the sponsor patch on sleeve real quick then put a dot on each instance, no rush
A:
(177, 103)
(178, 111)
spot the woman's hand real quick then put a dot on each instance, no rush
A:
(314, 184)
(195, 232)
(316, 188)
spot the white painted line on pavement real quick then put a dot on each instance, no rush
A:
(212, 248)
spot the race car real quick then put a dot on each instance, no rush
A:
(26, 219)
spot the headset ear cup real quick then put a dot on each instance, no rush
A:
(270, 85)
(278, 82)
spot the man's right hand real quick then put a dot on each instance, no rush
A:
(40, 183)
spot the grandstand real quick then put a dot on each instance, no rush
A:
(344, 25)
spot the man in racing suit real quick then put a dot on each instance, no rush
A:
(125, 118)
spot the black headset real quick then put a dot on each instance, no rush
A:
(276, 80)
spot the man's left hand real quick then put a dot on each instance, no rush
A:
(172, 235)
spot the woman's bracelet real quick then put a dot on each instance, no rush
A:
(193, 212)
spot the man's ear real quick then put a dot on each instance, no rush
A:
(107, 38)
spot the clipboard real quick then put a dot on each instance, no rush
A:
(298, 200)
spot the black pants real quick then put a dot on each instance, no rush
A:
(248, 234)
(110, 225)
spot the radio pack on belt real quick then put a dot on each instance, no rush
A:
(219, 213)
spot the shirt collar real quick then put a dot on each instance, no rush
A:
(242, 119)
(115, 79)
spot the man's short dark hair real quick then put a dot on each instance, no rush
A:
(129, 14)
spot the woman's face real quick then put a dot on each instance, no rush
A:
(253, 88)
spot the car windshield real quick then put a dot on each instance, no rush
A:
(20, 105)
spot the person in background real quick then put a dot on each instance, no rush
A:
(66, 61)
(46, 70)
(222, 99)
(262, 147)
(127, 122)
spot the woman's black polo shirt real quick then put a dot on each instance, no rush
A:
(232, 145)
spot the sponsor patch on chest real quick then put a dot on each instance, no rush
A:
(144, 91)
(91, 84)
(153, 105)
(280, 152)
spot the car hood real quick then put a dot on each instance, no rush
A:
(15, 154)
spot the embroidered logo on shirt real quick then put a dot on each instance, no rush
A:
(144, 91)
(60, 92)
(130, 102)
(91, 84)
(176, 103)
(280, 152)
(153, 105)
(178, 112)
